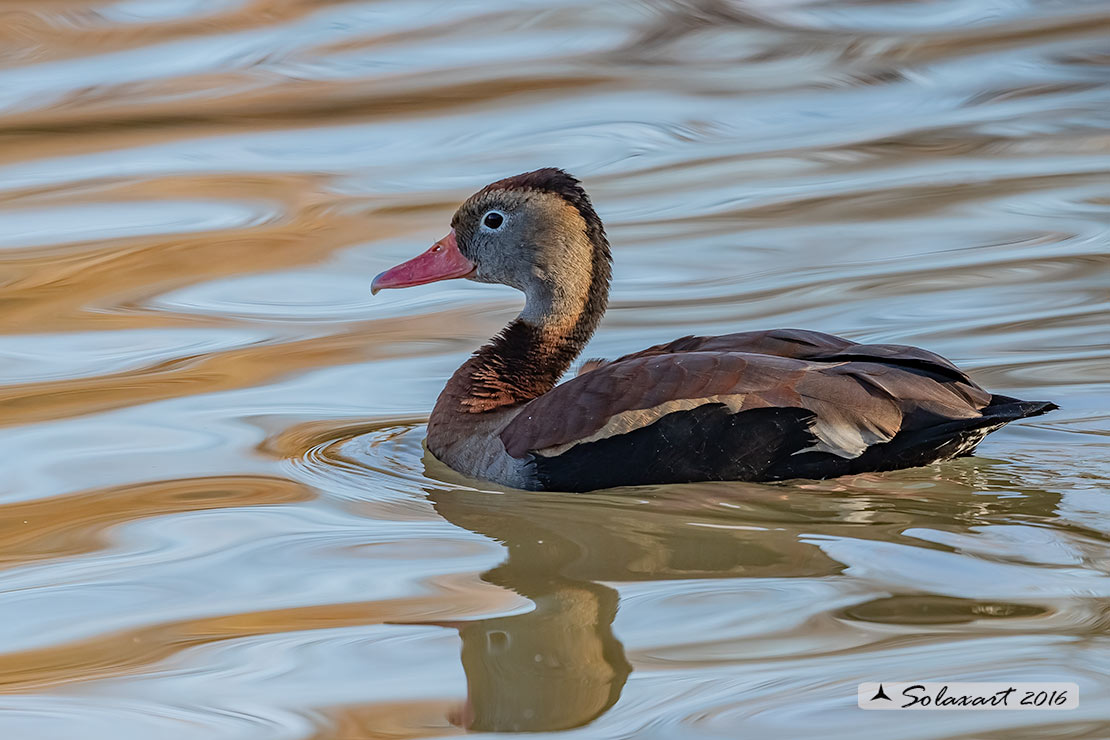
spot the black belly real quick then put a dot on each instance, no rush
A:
(709, 443)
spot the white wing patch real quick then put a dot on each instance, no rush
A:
(628, 421)
(843, 436)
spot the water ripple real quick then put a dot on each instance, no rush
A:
(217, 516)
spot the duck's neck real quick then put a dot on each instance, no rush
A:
(527, 358)
(523, 362)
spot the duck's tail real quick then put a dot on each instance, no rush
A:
(1006, 409)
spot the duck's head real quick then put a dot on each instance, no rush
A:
(536, 232)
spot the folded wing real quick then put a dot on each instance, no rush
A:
(754, 406)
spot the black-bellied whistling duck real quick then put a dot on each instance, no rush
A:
(758, 406)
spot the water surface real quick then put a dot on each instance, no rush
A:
(216, 517)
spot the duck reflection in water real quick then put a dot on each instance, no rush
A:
(555, 667)
(561, 666)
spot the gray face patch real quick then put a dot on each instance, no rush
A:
(534, 242)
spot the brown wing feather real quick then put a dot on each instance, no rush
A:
(861, 394)
(801, 344)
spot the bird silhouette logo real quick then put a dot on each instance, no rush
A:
(880, 694)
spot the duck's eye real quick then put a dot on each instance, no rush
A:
(493, 220)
